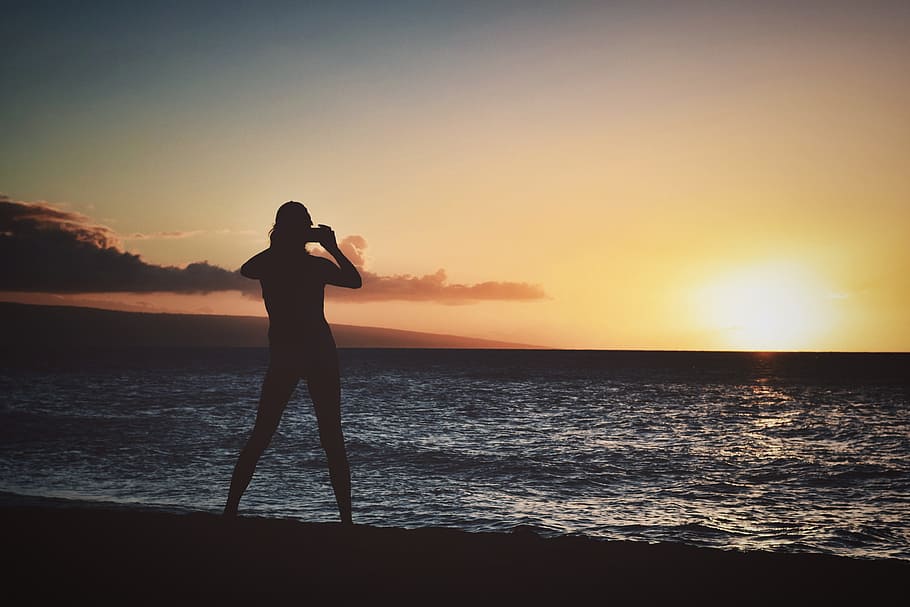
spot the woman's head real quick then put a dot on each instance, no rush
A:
(293, 215)
(291, 222)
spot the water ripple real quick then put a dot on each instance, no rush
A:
(731, 451)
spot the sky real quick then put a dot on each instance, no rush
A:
(619, 175)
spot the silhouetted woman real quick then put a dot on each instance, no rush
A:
(300, 344)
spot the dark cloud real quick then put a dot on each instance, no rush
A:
(47, 249)
(44, 248)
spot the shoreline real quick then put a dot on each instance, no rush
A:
(131, 556)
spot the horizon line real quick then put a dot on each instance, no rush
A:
(516, 346)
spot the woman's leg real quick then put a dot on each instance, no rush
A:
(325, 390)
(276, 391)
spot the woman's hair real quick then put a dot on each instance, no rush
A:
(291, 220)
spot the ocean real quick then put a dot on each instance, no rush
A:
(793, 452)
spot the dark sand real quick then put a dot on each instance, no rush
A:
(92, 555)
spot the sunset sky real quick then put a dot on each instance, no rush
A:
(645, 175)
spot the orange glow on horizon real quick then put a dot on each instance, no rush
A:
(767, 307)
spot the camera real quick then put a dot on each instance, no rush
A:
(315, 233)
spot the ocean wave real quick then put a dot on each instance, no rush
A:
(711, 450)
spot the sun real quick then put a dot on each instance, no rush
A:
(771, 306)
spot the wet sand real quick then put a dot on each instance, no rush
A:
(121, 556)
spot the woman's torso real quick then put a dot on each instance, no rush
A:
(293, 288)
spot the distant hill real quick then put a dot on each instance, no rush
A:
(35, 326)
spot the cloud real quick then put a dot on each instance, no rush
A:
(164, 235)
(353, 248)
(180, 234)
(435, 288)
(47, 249)
(36, 220)
(430, 287)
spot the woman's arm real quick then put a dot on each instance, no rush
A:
(345, 274)
(255, 266)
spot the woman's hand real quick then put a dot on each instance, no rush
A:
(327, 238)
(346, 274)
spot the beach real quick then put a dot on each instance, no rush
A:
(121, 555)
